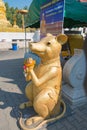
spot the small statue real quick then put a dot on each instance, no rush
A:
(27, 64)
(44, 89)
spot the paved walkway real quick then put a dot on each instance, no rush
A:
(12, 85)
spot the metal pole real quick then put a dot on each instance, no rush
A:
(23, 21)
(25, 42)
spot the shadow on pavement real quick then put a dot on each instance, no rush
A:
(12, 85)
(11, 71)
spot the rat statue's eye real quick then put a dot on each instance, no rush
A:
(48, 43)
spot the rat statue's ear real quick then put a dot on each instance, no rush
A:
(49, 34)
(62, 39)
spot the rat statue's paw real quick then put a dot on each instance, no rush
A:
(25, 105)
(34, 120)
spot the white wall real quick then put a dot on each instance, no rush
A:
(8, 36)
(6, 39)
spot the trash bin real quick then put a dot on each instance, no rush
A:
(14, 46)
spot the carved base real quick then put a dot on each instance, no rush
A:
(74, 73)
(74, 97)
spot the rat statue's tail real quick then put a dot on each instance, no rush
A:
(25, 127)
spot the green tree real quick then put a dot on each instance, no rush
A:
(8, 13)
(12, 13)
(19, 19)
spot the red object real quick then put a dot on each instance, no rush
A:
(83, 0)
(24, 67)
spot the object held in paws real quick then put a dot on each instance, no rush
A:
(28, 64)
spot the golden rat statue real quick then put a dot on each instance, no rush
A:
(44, 89)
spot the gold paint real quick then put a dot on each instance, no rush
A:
(44, 90)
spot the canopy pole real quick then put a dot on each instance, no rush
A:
(25, 41)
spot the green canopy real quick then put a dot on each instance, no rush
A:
(34, 13)
(75, 13)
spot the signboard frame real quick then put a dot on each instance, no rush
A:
(52, 17)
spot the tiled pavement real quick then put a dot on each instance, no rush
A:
(12, 85)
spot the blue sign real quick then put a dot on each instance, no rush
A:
(52, 13)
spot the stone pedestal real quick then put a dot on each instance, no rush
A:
(73, 80)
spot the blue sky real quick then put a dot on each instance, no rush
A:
(18, 3)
